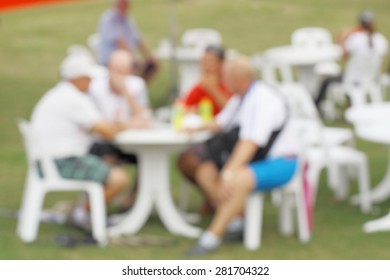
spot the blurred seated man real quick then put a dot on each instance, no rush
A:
(66, 119)
(119, 31)
(255, 150)
(362, 40)
(209, 87)
(120, 97)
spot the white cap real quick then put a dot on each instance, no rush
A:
(76, 66)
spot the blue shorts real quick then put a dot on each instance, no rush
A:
(273, 172)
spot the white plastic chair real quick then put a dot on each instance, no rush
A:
(36, 188)
(290, 196)
(309, 37)
(330, 147)
(275, 73)
(360, 81)
(201, 37)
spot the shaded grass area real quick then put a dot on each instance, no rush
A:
(32, 44)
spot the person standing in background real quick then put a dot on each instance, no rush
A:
(118, 31)
(362, 40)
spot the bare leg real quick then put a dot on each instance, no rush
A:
(188, 163)
(233, 207)
(117, 181)
(207, 177)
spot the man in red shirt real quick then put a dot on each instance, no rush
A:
(210, 85)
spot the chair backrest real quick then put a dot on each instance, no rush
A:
(82, 51)
(300, 101)
(94, 43)
(36, 153)
(272, 72)
(201, 37)
(308, 37)
(362, 69)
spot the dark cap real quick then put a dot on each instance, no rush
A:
(366, 17)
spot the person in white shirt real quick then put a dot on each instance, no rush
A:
(119, 97)
(363, 40)
(262, 158)
(65, 119)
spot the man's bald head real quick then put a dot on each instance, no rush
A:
(120, 62)
(239, 73)
(122, 5)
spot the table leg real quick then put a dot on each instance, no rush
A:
(382, 191)
(381, 224)
(140, 212)
(166, 208)
(307, 77)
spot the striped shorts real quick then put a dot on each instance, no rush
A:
(85, 168)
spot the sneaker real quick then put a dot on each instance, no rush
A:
(233, 236)
(199, 250)
(80, 220)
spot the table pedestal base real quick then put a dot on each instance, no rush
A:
(154, 189)
(381, 224)
(381, 192)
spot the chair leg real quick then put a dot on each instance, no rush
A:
(98, 214)
(341, 192)
(30, 212)
(364, 186)
(286, 224)
(333, 176)
(302, 217)
(253, 221)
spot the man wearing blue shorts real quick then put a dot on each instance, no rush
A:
(261, 115)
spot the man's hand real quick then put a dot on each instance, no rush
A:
(138, 122)
(118, 83)
(209, 83)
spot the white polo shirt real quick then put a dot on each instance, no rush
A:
(114, 107)
(357, 43)
(261, 113)
(62, 119)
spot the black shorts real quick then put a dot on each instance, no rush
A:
(201, 151)
(108, 149)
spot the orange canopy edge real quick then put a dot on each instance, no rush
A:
(18, 4)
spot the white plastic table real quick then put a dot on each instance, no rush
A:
(304, 59)
(371, 124)
(153, 148)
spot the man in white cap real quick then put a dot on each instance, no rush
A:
(66, 119)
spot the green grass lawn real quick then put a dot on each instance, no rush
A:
(33, 42)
